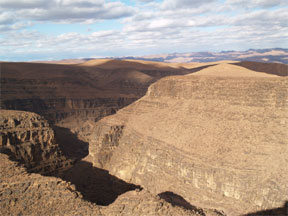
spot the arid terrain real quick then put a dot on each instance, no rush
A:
(133, 137)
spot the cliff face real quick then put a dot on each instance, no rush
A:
(28, 138)
(218, 139)
(32, 194)
(24, 193)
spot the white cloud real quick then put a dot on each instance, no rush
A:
(176, 4)
(263, 19)
(65, 10)
(6, 18)
(101, 34)
(81, 3)
(145, 1)
(258, 3)
(20, 4)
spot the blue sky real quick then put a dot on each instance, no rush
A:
(62, 29)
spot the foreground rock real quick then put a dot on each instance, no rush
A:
(217, 138)
(28, 138)
(23, 193)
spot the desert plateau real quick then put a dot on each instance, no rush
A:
(134, 137)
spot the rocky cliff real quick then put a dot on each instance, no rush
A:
(24, 193)
(218, 138)
(27, 138)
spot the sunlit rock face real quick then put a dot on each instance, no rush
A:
(217, 137)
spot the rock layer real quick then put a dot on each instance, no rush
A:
(32, 194)
(28, 138)
(217, 140)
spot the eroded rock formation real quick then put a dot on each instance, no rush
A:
(27, 138)
(24, 193)
(217, 137)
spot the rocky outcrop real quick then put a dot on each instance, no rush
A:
(28, 138)
(218, 140)
(24, 193)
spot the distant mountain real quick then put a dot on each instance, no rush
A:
(275, 55)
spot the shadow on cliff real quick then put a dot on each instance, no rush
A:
(95, 184)
(70, 145)
(193, 70)
(283, 211)
(177, 200)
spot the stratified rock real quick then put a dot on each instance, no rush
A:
(22, 193)
(217, 138)
(28, 138)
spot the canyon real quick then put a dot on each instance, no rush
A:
(29, 153)
(144, 138)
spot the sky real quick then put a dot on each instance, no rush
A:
(64, 29)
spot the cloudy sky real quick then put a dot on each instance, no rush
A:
(61, 29)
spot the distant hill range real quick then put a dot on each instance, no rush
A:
(276, 55)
